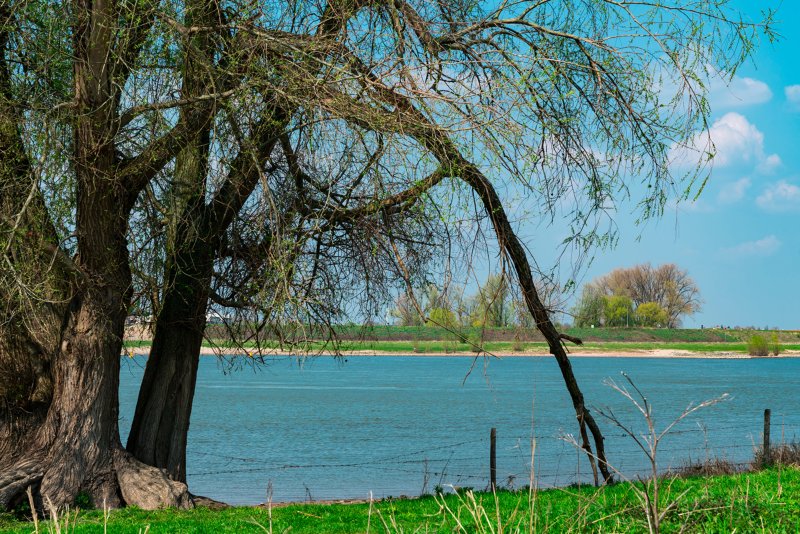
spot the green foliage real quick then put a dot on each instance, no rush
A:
(757, 345)
(668, 286)
(589, 309)
(775, 346)
(84, 501)
(476, 343)
(651, 314)
(618, 311)
(443, 318)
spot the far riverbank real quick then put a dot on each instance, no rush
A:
(389, 340)
(589, 352)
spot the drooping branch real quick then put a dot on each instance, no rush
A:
(516, 252)
(407, 119)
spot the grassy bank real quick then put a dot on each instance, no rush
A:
(500, 347)
(410, 340)
(751, 502)
(510, 334)
(506, 347)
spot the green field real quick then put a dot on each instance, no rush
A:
(410, 340)
(766, 501)
(664, 339)
(433, 333)
(506, 347)
(429, 333)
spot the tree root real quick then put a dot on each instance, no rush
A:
(148, 487)
(14, 483)
(134, 484)
(208, 502)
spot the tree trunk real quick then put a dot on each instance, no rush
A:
(76, 447)
(448, 154)
(81, 431)
(160, 426)
(161, 422)
(516, 253)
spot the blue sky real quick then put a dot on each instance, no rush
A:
(740, 240)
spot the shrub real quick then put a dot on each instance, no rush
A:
(757, 345)
(442, 317)
(775, 345)
(619, 311)
(707, 468)
(782, 454)
(475, 343)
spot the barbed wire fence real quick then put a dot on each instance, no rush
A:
(544, 460)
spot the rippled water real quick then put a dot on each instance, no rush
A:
(322, 429)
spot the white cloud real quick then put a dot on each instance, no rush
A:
(739, 92)
(734, 141)
(780, 196)
(793, 95)
(769, 164)
(763, 247)
(734, 191)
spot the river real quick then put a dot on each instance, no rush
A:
(321, 428)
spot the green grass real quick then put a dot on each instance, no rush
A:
(688, 335)
(708, 335)
(751, 502)
(694, 347)
(432, 333)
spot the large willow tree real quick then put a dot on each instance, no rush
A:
(293, 161)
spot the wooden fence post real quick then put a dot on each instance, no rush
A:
(493, 459)
(767, 454)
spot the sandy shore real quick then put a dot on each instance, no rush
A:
(574, 352)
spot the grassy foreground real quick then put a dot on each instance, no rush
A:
(750, 502)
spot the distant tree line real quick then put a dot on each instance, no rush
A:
(494, 304)
(641, 295)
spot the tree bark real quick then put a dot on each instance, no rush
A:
(76, 446)
(160, 425)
